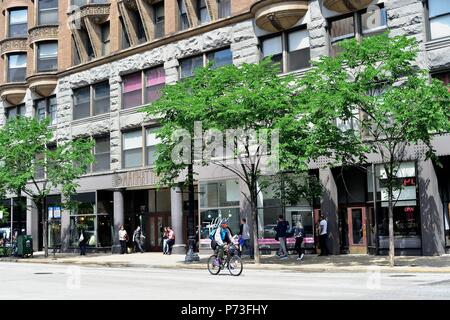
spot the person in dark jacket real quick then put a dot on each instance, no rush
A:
(82, 242)
(137, 239)
(299, 234)
(281, 229)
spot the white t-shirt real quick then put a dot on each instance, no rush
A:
(323, 227)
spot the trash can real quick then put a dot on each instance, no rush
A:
(24, 246)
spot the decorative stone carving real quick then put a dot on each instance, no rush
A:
(343, 6)
(14, 93)
(43, 84)
(277, 15)
(41, 33)
(13, 45)
(131, 4)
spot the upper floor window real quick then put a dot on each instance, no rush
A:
(358, 24)
(219, 58)
(439, 15)
(90, 101)
(224, 7)
(202, 12)
(46, 108)
(159, 19)
(13, 112)
(290, 49)
(18, 23)
(47, 56)
(136, 94)
(102, 154)
(47, 12)
(124, 40)
(133, 151)
(17, 67)
(104, 28)
(184, 22)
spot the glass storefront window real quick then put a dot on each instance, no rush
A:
(218, 200)
(54, 212)
(82, 222)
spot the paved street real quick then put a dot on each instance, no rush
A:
(46, 281)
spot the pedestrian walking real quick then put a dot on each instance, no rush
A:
(244, 234)
(281, 229)
(165, 238)
(323, 236)
(137, 240)
(299, 234)
(170, 239)
(123, 238)
(82, 242)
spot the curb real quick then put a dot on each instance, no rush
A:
(272, 267)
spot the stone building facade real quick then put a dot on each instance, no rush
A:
(109, 50)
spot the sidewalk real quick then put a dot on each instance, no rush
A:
(311, 263)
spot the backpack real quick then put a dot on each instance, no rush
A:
(212, 233)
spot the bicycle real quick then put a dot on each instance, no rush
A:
(233, 262)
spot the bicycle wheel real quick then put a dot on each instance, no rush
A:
(212, 268)
(235, 266)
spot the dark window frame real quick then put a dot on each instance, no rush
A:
(48, 112)
(93, 168)
(143, 89)
(9, 69)
(39, 11)
(38, 59)
(25, 34)
(357, 26)
(91, 100)
(429, 19)
(284, 67)
(204, 56)
(18, 109)
(144, 148)
(159, 21)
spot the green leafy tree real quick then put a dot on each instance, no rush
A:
(28, 166)
(249, 103)
(385, 101)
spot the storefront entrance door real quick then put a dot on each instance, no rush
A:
(357, 230)
(156, 223)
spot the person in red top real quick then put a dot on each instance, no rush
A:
(170, 239)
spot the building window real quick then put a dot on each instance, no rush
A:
(202, 12)
(13, 112)
(17, 67)
(81, 103)
(47, 12)
(151, 143)
(47, 56)
(184, 22)
(102, 154)
(133, 94)
(46, 108)
(219, 58)
(104, 28)
(84, 106)
(18, 23)
(218, 200)
(132, 149)
(133, 143)
(138, 26)
(82, 217)
(359, 24)
(290, 50)
(155, 81)
(439, 15)
(159, 19)
(224, 8)
(125, 41)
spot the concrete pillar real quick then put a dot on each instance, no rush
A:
(65, 227)
(329, 208)
(33, 223)
(176, 202)
(119, 217)
(431, 210)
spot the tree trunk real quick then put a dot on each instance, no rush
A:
(391, 228)
(255, 233)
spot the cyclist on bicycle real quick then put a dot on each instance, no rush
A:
(222, 238)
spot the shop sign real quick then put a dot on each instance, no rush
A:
(138, 178)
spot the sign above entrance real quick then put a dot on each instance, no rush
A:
(139, 178)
